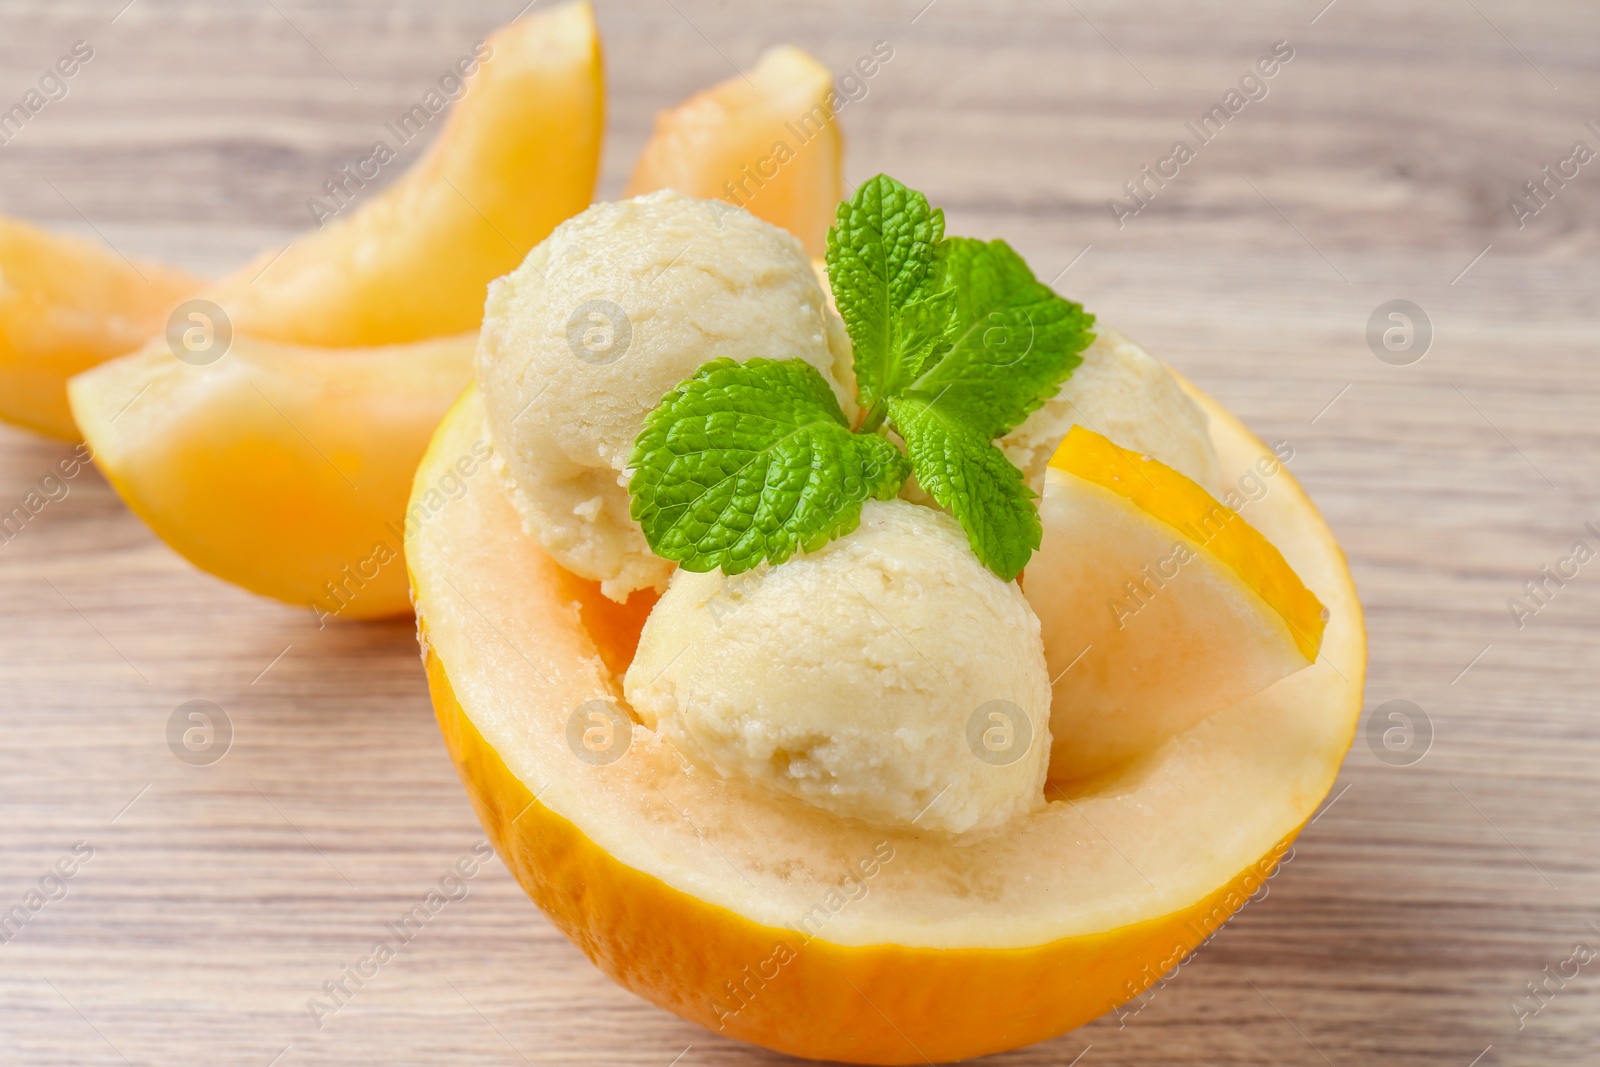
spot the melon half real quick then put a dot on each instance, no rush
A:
(773, 922)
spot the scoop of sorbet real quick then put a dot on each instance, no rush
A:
(888, 676)
(613, 309)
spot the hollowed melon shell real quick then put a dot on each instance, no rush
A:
(688, 890)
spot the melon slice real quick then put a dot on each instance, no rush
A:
(769, 143)
(282, 468)
(65, 305)
(518, 154)
(1158, 605)
(768, 920)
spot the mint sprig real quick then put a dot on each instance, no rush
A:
(752, 461)
(955, 343)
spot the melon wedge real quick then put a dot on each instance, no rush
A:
(1157, 604)
(282, 468)
(769, 143)
(67, 304)
(518, 154)
(770, 921)
(285, 466)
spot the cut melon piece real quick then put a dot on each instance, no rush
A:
(518, 154)
(1158, 605)
(768, 142)
(281, 468)
(67, 304)
(769, 920)
(285, 466)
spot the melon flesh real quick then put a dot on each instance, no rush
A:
(279, 467)
(66, 305)
(672, 878)
(518, 154)
(1146, 630)
(768, 142)
(285, 466)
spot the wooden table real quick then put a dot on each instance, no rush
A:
(1378, 167)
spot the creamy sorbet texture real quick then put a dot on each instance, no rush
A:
(618, 305)
(888, 676)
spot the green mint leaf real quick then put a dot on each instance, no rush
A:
(972, 479)
(1014, 340)
(924, 330)
(881, 255)
(751, 461)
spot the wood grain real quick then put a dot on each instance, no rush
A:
(219, 899)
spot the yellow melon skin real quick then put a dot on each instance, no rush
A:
(66, 305)
(280, 468)
(883, 1004)
(616, 855)
(769, 143)
(518, 154)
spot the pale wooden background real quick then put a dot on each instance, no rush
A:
(223, 898)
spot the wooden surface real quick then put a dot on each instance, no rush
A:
(219, 899)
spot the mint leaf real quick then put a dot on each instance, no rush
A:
(751, 461)
(1014, 340)
(971, 478)
(881, 255)
(924, 330)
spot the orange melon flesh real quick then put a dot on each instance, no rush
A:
(281, 468)
(285, 467)
(773, 922)
(1157, 605)
(67, 304)
(519, 153)
(769, 143)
